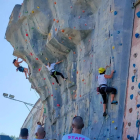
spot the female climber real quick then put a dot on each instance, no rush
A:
(20, 68)
(53, 72)
(103, 88)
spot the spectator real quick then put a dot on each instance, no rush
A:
(24, 133)
(39, 125)
(40, 134)
(77, 125)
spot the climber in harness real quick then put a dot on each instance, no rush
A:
(103, 88)
(20, 68)
(53, 72)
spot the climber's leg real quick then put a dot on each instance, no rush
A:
(103, 93)
(113, 90)
(26, 70)
(25, 74)
(58, 73)
(55, 79)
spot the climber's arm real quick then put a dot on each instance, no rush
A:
(109, 76)
(20, 61)
(107, 67)
(59, 62)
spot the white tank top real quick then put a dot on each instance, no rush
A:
(102, 80)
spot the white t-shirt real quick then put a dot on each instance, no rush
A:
(51, 68)
(102, 80)
(38, 126)
(74, 136)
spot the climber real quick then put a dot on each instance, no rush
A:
(53, 72)
(20, 68)
(39, 125)
(103, 88)
(77, 126)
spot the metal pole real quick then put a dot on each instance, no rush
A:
(23, 102)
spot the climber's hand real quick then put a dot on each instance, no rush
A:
(112, 71)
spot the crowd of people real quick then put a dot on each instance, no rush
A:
(40, 134)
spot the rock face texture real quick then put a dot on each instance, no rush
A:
(86, 35)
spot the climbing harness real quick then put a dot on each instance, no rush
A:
(52, 73)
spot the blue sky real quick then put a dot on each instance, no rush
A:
(12, 114)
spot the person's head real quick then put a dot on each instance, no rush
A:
(49, 64)
(102, 70)
(24, 133)
(77, 124)
(39, 123)
(40, 133)
(14, 61)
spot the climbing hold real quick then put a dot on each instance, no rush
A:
(77, 72)
(129, 124)
(55, 29)
(70, 38)
(113, 47)
(120, 44)
(31, 54)
(138, 14)
(74, 27)
(57, 21)
(36, 58)
(83, 80)
(44, 78)
(115, 12)
(26, 12)
(74, 53)
(112, 121)
(138, 105)
(128, 136)
(135, 55)
(133, 77)
(46, 58)
(70, 6)
(32, 12)
(130, 110)
(80, 95)
(58, 105)
(139, 92)
(79, 17)
(63, 30)
(26, 34)
(137, 35)
(116, 128)
(52, 95)
(38, 7)
(139, 85)
(54, 2)
(137, 123)
(118, 32)
(83, 11)
(32, 28)
(134, 65)
(53, 83)
(132, 87)
(39, 69)
(107, 129)
(85, 24)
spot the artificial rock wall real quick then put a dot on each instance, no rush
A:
(85, 34)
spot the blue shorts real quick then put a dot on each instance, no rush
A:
(20, 68)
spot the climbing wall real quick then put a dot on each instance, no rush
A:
(86, 35)
(131, 127)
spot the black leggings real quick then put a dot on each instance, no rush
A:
(57, 73)
(104, 90)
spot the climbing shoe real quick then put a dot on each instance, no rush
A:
(104, 114)
(59, 84)
(114, 102)
(65, 79)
